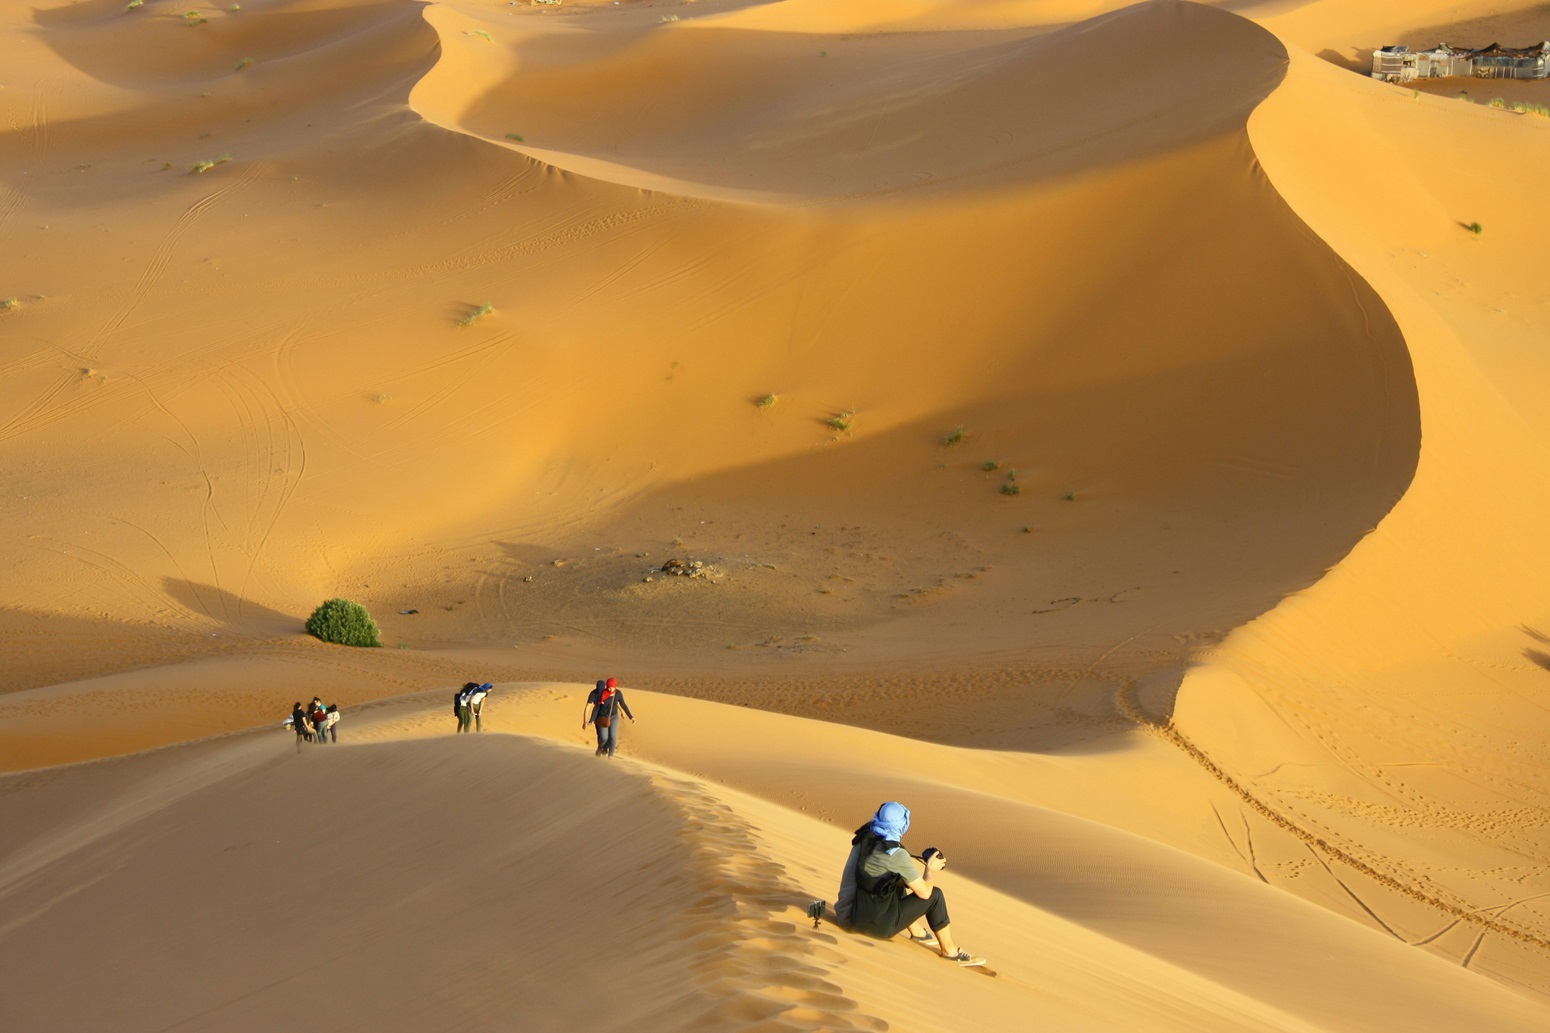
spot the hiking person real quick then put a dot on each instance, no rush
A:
(883, 893)
(461, 707)
(333, 722)
(319, 721)
(606, 701)
(299, 724)
(476, 703)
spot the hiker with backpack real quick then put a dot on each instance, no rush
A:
(883, 892)
(476, 703)
(300, 725)
(606, 701)
(462, 707)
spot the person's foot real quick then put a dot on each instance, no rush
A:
(965, 959)
(928, 940)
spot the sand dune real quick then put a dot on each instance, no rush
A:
(406, 882)
(1110, 399)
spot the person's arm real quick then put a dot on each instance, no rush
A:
(923, 886)
(625, 707)
(584, 708)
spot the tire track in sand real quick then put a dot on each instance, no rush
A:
(1480, 916)
(162, 256)
(10, 204)
(38, 128)
(279, 456)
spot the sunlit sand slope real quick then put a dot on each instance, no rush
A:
(260, 374)
(1397, 714)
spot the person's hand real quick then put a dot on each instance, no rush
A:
(583, 724)
(936, 862)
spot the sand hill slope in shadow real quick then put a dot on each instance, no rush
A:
(450, 875)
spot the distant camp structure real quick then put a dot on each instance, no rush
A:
(1401, 64)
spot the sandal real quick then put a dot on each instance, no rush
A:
(965, 959)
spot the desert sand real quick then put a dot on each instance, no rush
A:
(1113, 431)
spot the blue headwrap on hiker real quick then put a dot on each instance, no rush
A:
(891, 821)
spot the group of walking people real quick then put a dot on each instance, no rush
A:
(314, 723)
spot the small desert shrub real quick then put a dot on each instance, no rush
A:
(193, 18)
(476, 315)
(1497, 103)
(990, 466)
(244, 63)
(344, 622)
(206, 165)
(1069, 496)
(481, 34)
(10, 303)
(1475, 228)
(133, 4)
(1010, 485)
(1525, 108)
(841, 421)
(767, 401)
(515, 136)
(953, 437)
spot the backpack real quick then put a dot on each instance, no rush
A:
(877, 897)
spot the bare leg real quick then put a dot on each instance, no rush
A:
(944, 938)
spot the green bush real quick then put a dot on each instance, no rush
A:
(344, 622)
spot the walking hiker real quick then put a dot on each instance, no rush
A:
(883, 893)
(606, 701)
(476, 703)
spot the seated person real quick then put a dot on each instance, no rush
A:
(882, 892)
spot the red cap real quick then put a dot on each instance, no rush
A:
(610, 684)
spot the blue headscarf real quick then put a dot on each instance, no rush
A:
(891, 821)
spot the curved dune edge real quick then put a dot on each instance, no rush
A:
(645, 105)
(483, 846)
(1379, 715)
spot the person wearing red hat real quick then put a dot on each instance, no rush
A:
(605, 702)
